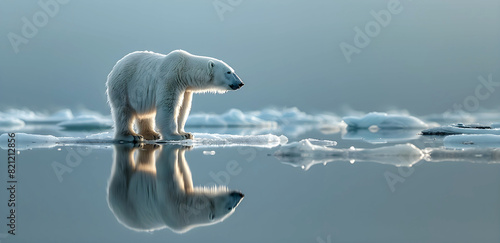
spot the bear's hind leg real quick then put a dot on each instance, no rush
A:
(146, 128)
(124, 118)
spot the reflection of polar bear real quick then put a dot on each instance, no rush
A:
(144, 85)
(153, 193)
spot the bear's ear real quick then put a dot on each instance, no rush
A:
(211, 64)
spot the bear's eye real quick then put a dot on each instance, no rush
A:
(228, 72)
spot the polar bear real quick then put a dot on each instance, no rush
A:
(155, 89)
(149, 193)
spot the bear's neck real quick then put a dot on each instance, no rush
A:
(194, 79)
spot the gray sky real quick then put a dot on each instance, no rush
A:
(426, 59)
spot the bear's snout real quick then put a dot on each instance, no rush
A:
(234, 199)
(236, 86)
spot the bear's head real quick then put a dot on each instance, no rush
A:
(224, 77)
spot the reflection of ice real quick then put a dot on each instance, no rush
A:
(480, 155)
(28, 141)
(384, 120)
(305, 154)
(381, 135)
(472, 141)
(461, 129)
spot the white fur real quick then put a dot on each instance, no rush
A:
(155, 89)
(153, 193)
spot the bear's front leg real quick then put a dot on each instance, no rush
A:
(166, 118)
(183, 114)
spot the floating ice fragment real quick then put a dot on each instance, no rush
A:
(208, 152)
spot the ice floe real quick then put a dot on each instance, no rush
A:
(461, 129)
(380, 120)
(202, 140)
(25, 141)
